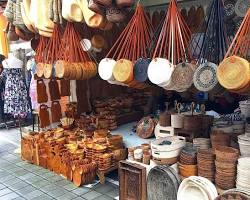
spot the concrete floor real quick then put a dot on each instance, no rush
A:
(21, 180)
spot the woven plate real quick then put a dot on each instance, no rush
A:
(123, 71)
(182, 76)
(145, 127)
(205, 77)
(233, 73)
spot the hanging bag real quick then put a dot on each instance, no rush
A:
(44, 116)
(56, 111)
(54, 90)
(42, 96)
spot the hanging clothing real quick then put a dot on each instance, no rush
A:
(15, 96)
(2, 86)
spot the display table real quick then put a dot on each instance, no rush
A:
(130, 138)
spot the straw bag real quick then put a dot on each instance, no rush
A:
(95, 7)
(73, 63)
(91, 18)
(9, 11)
(233, 71)
(166, 57)
(18, 20)
(42, 96)
(26, 20)
(42, 20)
(11, 34)
(71, 11)
(56, 111)
(133, 44)
(44, 116)
(115, 14)
(65, 88)
(54, 90)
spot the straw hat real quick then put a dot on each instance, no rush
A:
(71, 11)
(91, 18)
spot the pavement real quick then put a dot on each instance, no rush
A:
(20, 180)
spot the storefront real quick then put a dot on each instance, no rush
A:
(157, 91)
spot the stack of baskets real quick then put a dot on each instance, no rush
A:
(244, 143)
(202, 143)
(206, 165)
(188, 162)
(226, 167)
(220, 138)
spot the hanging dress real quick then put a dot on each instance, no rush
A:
(15, 96)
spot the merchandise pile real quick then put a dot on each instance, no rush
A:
(72, 153)
(226, 162)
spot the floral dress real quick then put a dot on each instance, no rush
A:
(16, 100)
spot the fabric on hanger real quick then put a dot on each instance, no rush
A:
(56, 111)
(33, 93)
(42, 96)
(16, 101)
(54, 90)
(44, 116)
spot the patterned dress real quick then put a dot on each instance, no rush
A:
(16, 100)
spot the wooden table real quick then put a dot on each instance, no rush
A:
(101, 174)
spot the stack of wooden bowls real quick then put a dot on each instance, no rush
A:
(226, 162)
(202, 143)
(243, 174)
(244, 143)
(206, 166)
(188, 162)
(220, 138)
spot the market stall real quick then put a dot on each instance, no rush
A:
(137, 88)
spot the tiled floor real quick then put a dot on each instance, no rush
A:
(20, 180)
